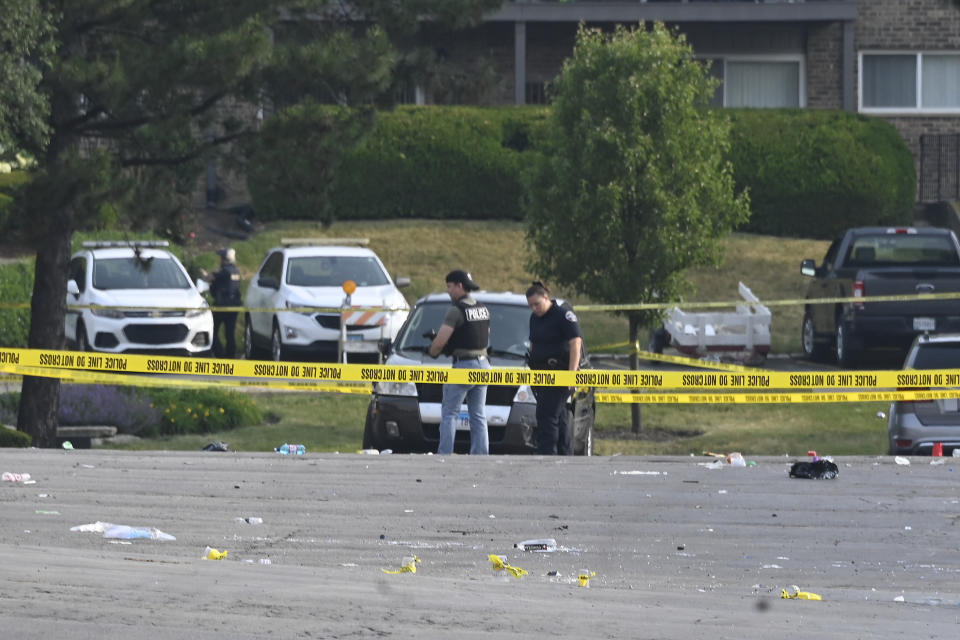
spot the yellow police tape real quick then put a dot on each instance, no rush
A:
(634, 306)
(793, 397)
(754, 379)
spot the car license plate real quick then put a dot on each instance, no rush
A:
(924, 324)
(463, 421)
(354, 337)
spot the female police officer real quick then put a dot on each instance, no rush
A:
(556, 342)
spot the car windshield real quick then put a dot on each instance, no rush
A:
(138, 273)
(902, 249)
(333, 271)
(509, 327)
(937, 355)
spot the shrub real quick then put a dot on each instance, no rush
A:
(816, 173)
(202, 411)
(148, 412)
(16, 286)
(438, 162)
(14, 438)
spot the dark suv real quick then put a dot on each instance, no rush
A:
(405, 417)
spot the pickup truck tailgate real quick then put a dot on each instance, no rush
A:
(910, 281)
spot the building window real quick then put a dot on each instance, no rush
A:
(910, 82)
(758, 82)
(537, 93)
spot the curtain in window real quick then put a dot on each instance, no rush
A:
(763, 84)
(890, 81)
(941, 81)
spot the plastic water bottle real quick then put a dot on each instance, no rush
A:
(543, 545)
(291, 449)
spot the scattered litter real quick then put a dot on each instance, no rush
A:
(408, 510)
(799, 595)
(681, 547)
(500, 564)
(349, 564)
(492, 516)
(552, 574)
(898, 599)
(43, 495)
(122, 531)
(813, 455)
(19, 478)
(821, 469)
(260, 561)
(369, 452)
(88, 466)
(409, 566)
(772, 566)
(67, 445)
(583, 577)
(543, 545)
(217, 446)
(717, 464)
(249, 520)
(640, 473)
(936, 461)
(44, 512)
(908, 528)
(119, 542)
(735, 459)
(901, 460)
(386, 452)
(956, 453)
(722, 491)
(291, 449)
(213, 554)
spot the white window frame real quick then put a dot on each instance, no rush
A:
(772, 57)
(918, 78)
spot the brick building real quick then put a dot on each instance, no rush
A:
(894, 59)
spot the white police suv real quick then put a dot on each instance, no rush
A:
(307, 276)
(135, 297)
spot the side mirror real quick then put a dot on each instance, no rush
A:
(385, 346)
(401, 282)
(808, 267)
(202, 285)
(268, 283)
(73, 288)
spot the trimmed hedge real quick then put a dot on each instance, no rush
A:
(16, 285)
(811, 173)
(14, 438)
(815, 173)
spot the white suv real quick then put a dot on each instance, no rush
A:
(136, 275)
(308, 273)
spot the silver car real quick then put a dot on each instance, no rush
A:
(915, 426)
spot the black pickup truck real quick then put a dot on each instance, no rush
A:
(880, 261)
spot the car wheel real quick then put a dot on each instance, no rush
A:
(250, 350)
(277, 352)
(812, 350)
(369, 438)
(846, 355)
(82, 343)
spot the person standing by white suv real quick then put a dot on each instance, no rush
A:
(225, 289)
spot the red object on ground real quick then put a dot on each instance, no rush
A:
(937, 449)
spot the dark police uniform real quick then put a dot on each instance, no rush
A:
(468, 346)
(225, 289)
(550, 337)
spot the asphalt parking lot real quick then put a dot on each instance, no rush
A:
(679, 551)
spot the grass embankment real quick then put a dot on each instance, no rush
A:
(495, 253)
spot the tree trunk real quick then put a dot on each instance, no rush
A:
(40, 397)
(636, 421)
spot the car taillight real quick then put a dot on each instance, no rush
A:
(903, 444)
(859, 291)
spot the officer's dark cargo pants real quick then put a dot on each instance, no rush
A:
(553, 428)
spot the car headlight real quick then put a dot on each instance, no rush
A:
(395, 388)
(293, 304)
(193, 313)
(105, 312)
(524, 395)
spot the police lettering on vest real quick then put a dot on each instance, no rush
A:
(473, 334)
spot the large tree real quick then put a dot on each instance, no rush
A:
(632, 186)
(133, 96)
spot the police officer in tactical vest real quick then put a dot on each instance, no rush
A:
(225, 289)
(465, 335)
